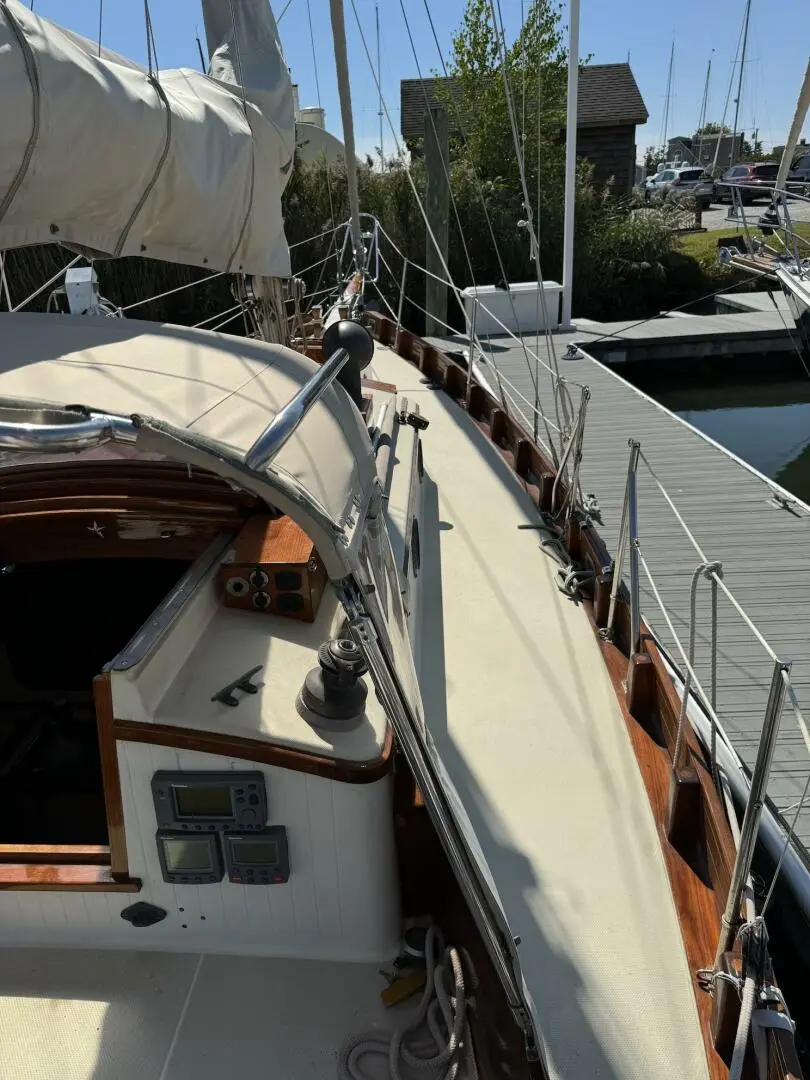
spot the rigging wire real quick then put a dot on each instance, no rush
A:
(318, 95)
(100, 18)
(497, 16)
(283, 12)
(411, 182)
(151, 47)
(479, 187)
(344, 94)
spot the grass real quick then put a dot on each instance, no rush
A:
(703, 246)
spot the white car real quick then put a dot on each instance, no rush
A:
(674, 182)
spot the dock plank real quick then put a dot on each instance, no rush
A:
(764, 548)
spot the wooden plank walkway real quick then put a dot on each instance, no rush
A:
(764, 547)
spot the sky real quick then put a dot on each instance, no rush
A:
(778, 49)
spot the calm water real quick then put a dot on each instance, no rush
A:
(767, 423)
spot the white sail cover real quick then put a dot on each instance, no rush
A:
(97, 153)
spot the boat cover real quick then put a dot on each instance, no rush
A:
(101, 155)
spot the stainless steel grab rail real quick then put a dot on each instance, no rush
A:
(281, 427)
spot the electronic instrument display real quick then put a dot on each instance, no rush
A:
(189, 860)
(259, 858)
(210, 801)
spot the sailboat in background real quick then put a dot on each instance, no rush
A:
(290, 690)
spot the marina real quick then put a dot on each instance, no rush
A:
(438, 697)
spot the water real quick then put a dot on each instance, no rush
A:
(765, 422)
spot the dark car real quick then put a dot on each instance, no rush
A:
(799, 175)
(750, 177)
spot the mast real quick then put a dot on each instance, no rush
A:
(740, 80)
(570, 162)
(379, 86)
(668, 98)
(345, 94)
(795, 131)
(704, 108)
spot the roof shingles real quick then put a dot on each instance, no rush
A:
(608, 96)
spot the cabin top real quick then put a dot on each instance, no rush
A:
(216, 386)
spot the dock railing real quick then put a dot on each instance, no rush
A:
(781, 687)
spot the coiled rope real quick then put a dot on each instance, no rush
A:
(442, 1011)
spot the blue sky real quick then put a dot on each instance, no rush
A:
(778, 47)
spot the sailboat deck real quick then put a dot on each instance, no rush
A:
(91, 1015)
(764, 547)
(525, 718)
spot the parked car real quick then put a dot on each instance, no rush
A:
(799, 175)
(680, 181)
(750, 176)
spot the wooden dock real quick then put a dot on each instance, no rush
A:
(759, 534)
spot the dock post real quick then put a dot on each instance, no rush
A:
(753, 808)
(437, 205)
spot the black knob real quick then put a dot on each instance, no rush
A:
(359, 344)
(143, 914)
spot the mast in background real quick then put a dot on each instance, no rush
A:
(665, 129)
(738, 99)
(570, 163)
(379, 86)
(345, 94)
(704, 109)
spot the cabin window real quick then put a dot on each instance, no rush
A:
(61, 622)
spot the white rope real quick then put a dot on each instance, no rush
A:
(47, 284)
(319, 236)
(442, 1010)
(315, 265)
(702, 555)
(213, 318)
(171, 292)
(743, 1027)
(228, 320)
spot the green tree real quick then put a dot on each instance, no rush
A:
(536, 65)
(714, 129)
(653, 156)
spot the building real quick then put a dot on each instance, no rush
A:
(609, 108)
(700, 149)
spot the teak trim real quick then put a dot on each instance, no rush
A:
(700, 876)
(79, 867)
(266, 753)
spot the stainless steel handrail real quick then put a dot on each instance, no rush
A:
(70, 435)
(280, 429)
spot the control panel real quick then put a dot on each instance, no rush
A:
(258, 858)
(189, 860)
(198, 802)
(273, 567)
